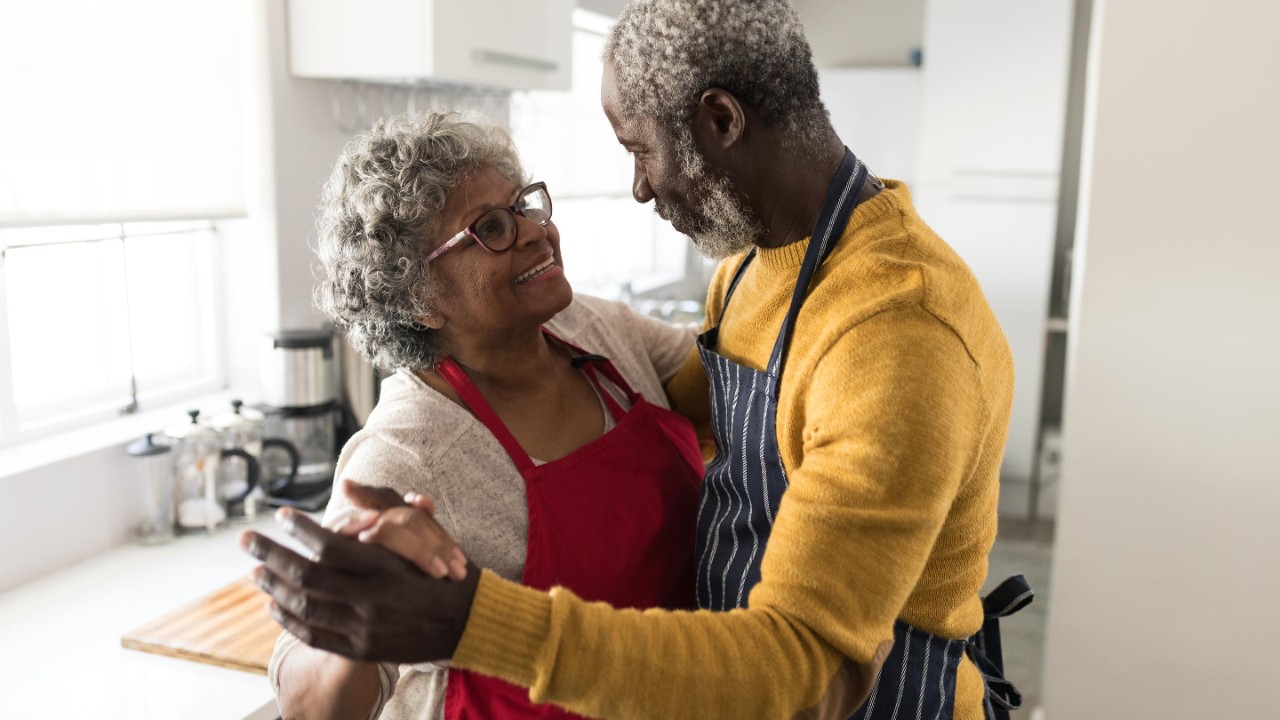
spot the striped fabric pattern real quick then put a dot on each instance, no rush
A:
(743, 485)
(918, 681)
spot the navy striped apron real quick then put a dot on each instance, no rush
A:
(745, 483)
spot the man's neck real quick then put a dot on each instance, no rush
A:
(798, 191)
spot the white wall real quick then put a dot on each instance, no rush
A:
(876, 112)
(846, 33)
(1167, 570)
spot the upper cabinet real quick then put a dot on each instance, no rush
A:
(510, 44)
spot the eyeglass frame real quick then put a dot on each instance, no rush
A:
(513, 209)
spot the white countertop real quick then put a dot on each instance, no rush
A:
(60, 653)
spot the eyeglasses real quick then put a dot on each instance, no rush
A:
(496, 229)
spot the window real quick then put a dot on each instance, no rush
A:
(612, 246)
(99, 319)
(120, 146)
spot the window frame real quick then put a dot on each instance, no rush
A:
(15, 430)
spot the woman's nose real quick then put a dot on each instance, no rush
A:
(528, 231)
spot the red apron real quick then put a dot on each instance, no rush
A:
(613, 521)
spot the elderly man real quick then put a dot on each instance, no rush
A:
(855, 387)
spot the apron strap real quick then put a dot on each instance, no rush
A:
(586, 361)
(984, 647)
(733, 284)
(461, 384)
(842, 198)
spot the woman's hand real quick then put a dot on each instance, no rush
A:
(405, 526)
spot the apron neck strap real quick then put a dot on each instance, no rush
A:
(842, 198)
(589, 362)
(452, 372)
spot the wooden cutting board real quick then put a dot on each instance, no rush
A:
(230, 627)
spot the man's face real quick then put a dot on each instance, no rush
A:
(693, 197)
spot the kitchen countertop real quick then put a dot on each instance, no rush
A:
(60, 653)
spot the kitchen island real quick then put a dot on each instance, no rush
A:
(60, 652)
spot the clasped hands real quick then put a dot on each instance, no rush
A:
(386, 585)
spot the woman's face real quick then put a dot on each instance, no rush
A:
(483, 293)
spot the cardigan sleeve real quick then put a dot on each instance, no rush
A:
(892, 425)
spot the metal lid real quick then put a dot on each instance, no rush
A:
(185, 430)
(143, 447)
(239, 416)
(303, 339)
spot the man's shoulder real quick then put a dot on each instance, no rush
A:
(893, 261)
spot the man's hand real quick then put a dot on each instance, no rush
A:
(359, 600)
(404, 526)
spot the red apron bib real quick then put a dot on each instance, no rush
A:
(612, 521)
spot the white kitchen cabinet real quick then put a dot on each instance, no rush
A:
(510, 44)
(993, 108)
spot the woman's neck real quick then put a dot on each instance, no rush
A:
(513, 360)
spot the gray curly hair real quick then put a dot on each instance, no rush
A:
(666, 52)
(379, 211)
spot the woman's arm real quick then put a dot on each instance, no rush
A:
(315, 684)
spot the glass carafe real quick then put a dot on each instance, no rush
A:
(196, 453)
(153, 470)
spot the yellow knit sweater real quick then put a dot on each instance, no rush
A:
(892, 417)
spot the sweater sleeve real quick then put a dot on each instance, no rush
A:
(892, 416)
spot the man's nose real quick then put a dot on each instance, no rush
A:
(640, 188)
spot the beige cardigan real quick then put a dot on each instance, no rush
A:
(417, 440)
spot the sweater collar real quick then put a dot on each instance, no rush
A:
(790, 257)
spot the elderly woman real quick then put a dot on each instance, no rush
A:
(536, 420)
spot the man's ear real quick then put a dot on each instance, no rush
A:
(721, 120)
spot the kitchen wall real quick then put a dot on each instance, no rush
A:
(1165, 569)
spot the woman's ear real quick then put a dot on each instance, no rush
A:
(431, 321)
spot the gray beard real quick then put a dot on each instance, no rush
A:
(720, 224)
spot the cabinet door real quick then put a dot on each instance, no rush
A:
(369, 39)
(513, 44)
(517, 44)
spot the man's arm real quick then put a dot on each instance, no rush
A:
(893, 423)
(883, 458)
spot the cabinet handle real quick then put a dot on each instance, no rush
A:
(524, 61)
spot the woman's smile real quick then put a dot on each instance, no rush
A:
(543, 269)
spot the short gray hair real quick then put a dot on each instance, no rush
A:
(666, 52)
(379, 211)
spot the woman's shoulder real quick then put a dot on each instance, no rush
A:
(587, 311)
(412, 420)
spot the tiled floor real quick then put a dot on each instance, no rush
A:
(1024, 547)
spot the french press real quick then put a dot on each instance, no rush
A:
(196, 452)
(240, 471)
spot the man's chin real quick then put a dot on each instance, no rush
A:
(717, 246)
